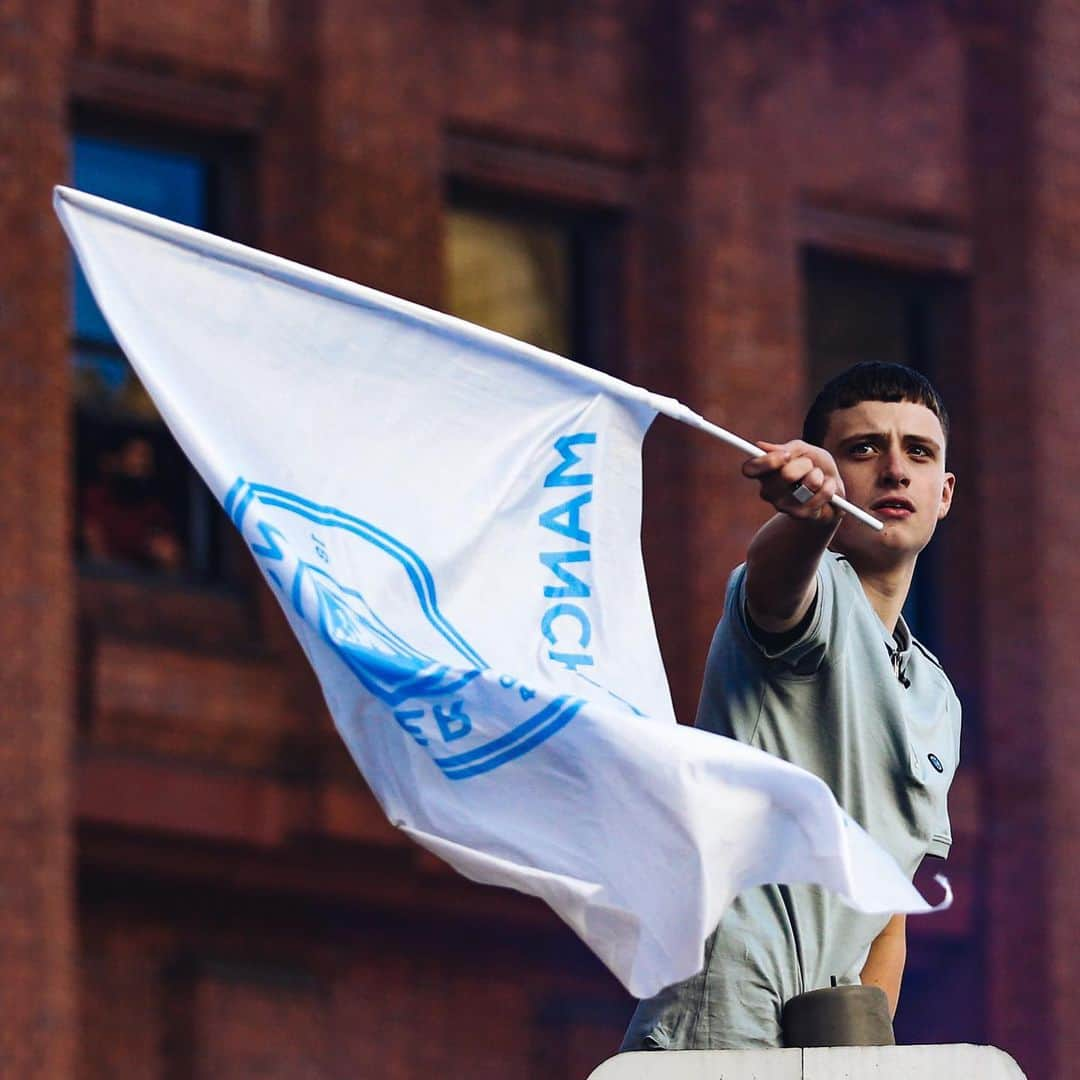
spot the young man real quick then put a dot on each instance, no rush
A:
(813, 661)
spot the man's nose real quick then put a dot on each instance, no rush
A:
(894, 469)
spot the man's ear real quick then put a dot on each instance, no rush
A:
(946, 495)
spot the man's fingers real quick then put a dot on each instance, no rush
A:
(789, 469)
(801, 470)
(822, 495)
(807, 496)
(807, 490)
(796, 478)
(767, 463)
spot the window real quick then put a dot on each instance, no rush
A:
(537, 271)
(142, 510)
(860, 310)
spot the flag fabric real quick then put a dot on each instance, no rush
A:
(450, 520)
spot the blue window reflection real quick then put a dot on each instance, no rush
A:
(162, 182)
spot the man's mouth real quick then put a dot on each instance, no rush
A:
(893, 507)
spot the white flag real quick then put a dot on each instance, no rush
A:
(450, 520)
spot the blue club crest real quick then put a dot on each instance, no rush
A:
(435, 686)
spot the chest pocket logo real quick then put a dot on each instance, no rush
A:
(936, 762)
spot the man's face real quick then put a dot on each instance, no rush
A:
(891, 457)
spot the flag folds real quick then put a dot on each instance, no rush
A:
(450, 520)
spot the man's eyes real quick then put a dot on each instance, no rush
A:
(865, 449)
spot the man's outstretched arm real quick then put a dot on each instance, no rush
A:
(781, 563)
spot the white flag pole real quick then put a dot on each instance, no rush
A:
(678, 411)
(315, 280)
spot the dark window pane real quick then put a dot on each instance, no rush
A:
(133, 513)
(140, 507)
(857, 311)
(861, 311)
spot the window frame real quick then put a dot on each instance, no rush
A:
(940, 257)
(594, 199)
(216, 610)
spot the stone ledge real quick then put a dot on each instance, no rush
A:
(955, 1062)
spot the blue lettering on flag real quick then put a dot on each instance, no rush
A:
(572, 584)
(405, 654)
(406, 718)
(559, 476)
(566, 611)
(271, 549)
(565, 518)
(571, 661)
(454, 723)
(563, 624)
(568, 628)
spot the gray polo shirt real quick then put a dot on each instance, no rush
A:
(874, 716)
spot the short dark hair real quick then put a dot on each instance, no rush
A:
(871, 380)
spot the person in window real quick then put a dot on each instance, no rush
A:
(813, 661)
(124, 520)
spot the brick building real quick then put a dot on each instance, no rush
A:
(720, 200)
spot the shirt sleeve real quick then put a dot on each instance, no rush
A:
(799, 652)
(940, 846)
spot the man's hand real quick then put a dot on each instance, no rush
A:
(797, 479)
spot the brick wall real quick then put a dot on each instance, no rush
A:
(36, 654)
(1056, 272)
(220, 986)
